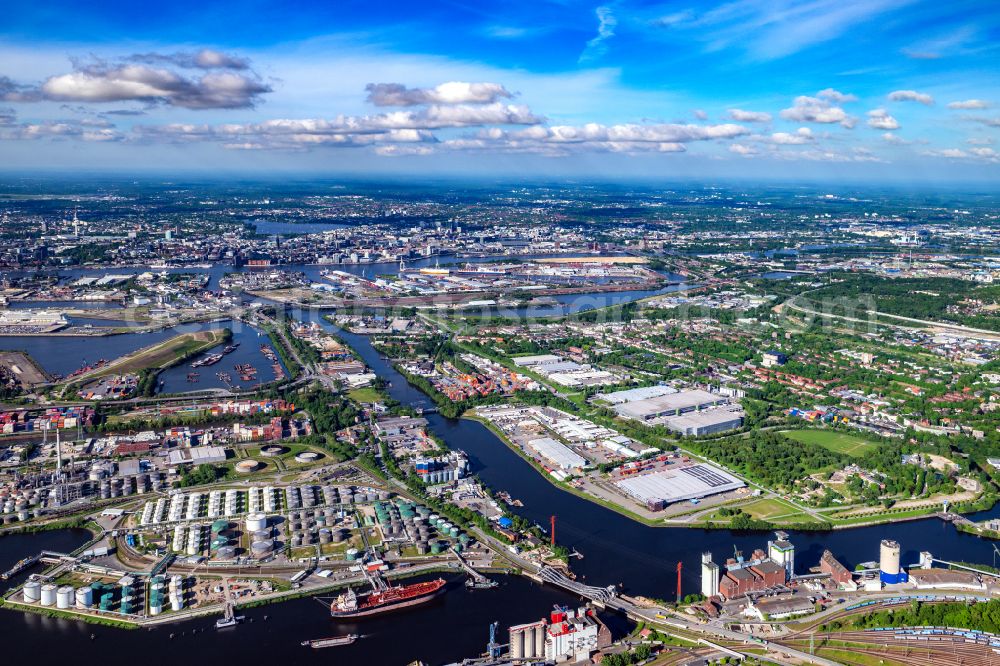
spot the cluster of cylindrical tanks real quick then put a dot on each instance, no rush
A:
(176, 593)
(196, 539)
(157, 594)
(231, 503)
(402, 520)
(109, 488)
(299, 497)
(263, 499)
(219, 545)
(194, 506)
(67, 597)
(178, 507)
(157, 514)
(23, 505)
(23, 508)
(312, 526)
(192, 539)
(527, 641)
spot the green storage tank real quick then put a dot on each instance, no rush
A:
(219, 525)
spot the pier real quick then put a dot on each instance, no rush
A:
(478, 578)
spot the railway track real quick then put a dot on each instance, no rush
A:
(886, 646)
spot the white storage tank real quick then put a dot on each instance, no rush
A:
(256, 522)
(48, 594)
(261, 548)
(65, 597)
(889, 557)
(32, 592)
(84, 597)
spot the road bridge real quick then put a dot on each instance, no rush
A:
(601, 595)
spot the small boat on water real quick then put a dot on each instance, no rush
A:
(228, 621)
(334, 641)
(480, 583)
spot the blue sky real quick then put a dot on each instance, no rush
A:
(873, 90)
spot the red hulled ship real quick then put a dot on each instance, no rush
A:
(384, 598)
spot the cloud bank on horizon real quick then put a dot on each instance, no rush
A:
(907, 83)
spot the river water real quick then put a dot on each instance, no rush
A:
(449, 628)
(616, 550)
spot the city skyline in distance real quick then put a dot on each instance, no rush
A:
(882, 91)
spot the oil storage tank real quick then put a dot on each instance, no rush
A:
(32, 592)
(48, 594)
(261, 548)
(65, 597)
(256, 522)
(84, 597)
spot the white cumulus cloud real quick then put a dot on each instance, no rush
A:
(801, 136)
(910, 96)
(880, 119)
(836, 96)
(969, 104)
(452, 92)
(742, 149)
(143, 83)
(806, 109)
(741, 116)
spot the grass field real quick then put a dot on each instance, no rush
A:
(367, 394)
(838, 442)
(771, 509)
(777, 511)
(160, 355)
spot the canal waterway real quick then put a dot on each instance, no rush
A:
(64, 354)
(620, 550)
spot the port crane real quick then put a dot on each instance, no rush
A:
(493, 648)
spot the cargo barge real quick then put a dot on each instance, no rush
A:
(211, 359)
(336, 641)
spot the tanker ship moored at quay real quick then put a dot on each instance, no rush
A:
(384, 598)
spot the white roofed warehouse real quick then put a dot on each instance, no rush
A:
(678, 484)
